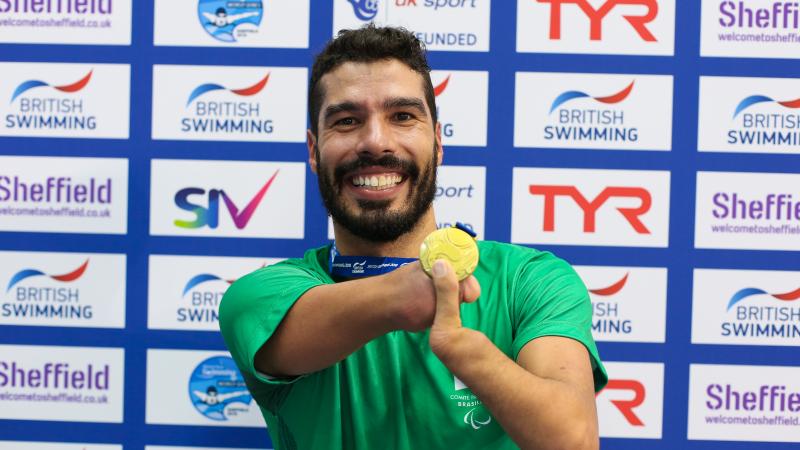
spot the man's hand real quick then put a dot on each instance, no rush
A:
(416, 305)
(447, 334)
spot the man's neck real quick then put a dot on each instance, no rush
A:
(405, 246)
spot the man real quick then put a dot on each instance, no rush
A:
(396, 361)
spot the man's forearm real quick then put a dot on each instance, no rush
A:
(538, 413)
(326, 324)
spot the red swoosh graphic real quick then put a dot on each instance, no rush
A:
(789, 296)
(74, 275)
(78, 85)
(254, 89)
(613, 289)
(438, 89)
(791, 103)
(619, 96)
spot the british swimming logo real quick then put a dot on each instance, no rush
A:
(64, 278)
(217, 389)
(230, 21)
(751, 291)
(365, 10)
(221, 115)
(608, 99)
(243, 92)
(69, 88)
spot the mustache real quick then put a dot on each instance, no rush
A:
(367, 160)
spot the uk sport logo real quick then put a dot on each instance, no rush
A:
(583, 207)
(643, 27)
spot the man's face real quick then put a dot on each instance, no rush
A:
(377, 149)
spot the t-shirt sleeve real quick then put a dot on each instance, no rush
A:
(254, 306)
(549, 299)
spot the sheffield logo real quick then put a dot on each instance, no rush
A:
(596, 16)
(230, 21)
(631, 214)
(626, 407)
(209, 216)
(48, 112)
(591, 124)
(217, 389)
(226, 116)
(365, 10)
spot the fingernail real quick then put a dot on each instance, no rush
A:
(438, 268)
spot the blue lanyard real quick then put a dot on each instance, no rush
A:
(363, 266)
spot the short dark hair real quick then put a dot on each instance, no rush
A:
(368, 44)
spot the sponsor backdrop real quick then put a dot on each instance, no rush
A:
(152, 152)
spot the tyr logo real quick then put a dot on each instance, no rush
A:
(596, 16)
(626, 406)
(590, 207)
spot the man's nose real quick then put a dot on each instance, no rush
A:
(376, 137)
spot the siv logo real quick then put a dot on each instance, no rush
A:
(365, 10)
(46, 112)
(591, 124)
(230, 21)
(209, 216)
(589, 208)
(224, 116)
(638, 22)
(626, 407)
(217, 389)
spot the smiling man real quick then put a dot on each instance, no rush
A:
(354, 346)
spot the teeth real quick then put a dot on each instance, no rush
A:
(378, 182)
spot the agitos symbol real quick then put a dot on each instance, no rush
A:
(626, 406)
(596, 17)
(590, 207)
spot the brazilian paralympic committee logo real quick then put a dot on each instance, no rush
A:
(230, 21)
(364, 10)
(217, 389)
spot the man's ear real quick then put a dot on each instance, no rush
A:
(439, 148)
(311, 142)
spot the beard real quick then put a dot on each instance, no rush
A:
(372, 220)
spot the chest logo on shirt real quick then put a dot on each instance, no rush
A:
(477, 416)
(473, 418)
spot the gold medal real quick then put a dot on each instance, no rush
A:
(453, 244)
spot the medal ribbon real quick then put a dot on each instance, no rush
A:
(363, 266)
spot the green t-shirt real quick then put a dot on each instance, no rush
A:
(394, 392)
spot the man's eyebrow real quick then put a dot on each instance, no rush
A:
(336, 108)
(405, 102)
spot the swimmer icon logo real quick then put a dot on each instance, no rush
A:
(230, 21)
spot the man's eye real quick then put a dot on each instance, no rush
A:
(403, 116)
(347, 121)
